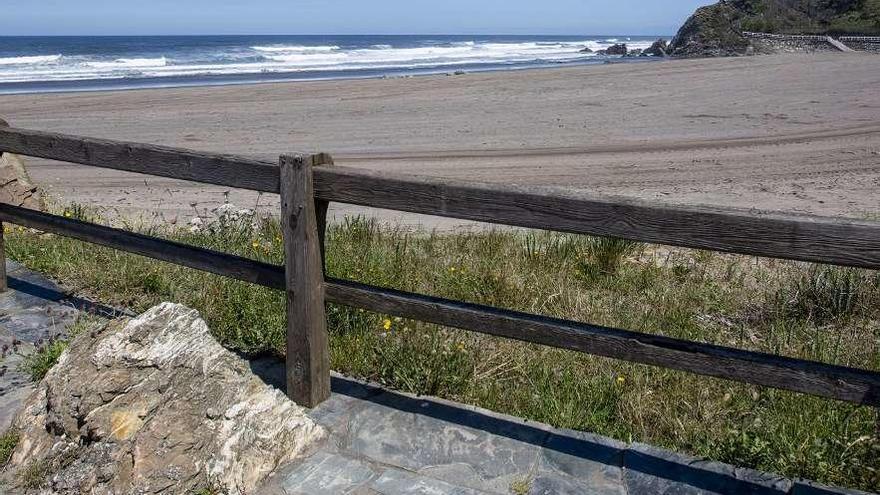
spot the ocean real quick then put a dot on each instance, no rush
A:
(45, 64)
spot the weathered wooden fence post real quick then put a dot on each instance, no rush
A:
(308, 353)
(3, 282)
(321, 207)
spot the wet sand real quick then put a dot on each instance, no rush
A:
(784, 132)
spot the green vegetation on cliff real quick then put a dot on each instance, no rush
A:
(809, 16)
(716, 30)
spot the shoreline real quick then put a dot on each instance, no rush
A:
(772, 132)
(114, 85)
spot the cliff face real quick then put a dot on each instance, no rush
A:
(716, 30)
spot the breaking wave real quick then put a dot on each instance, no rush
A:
(332, 60)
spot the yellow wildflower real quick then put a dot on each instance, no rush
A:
(621, 380)
(67, 214)
(387, 324)
(452, 269)
(255, 244)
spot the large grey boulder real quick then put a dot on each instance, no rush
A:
(154, 405)
(16, 187)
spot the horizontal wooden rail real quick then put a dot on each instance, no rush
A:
(847, 384)
(788, 236)
(210, 168)
(797, 237)
(836, 382)
(228, 265)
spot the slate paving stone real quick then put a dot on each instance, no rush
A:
(580, 462)
(649, 469)
(805, 487)
(457, 446)
(33, 308)
(558, 485)
(327, 474)
(398, 482)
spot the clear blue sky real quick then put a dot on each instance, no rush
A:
(128, 17)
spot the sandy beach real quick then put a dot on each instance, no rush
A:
(784, 132)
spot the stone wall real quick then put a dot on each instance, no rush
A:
(862, 43)
(765, 42)
(810, 43)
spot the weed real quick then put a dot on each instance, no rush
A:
(8, 442)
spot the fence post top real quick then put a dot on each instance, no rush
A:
(313, 159)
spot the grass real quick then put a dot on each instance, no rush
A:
(34, 476)
(824, 314)
(8, 442)
(48, 351)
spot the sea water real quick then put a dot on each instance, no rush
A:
(42, 64)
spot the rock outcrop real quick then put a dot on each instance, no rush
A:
(16, 186)
(657, 49)
(154, 405)
(717, 30)
(711, 32)
(618, 49)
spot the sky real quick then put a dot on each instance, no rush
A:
(127, 17)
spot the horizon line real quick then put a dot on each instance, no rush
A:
(321, 34)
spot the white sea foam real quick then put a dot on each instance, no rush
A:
(27, 60)
(295, 48)
(291, 59)
(130, 63)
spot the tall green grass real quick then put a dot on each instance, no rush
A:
(825, 314)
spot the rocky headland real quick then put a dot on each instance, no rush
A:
(720, 29)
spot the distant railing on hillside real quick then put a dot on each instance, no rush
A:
(841, 43)
(785, 37)
(307, 183)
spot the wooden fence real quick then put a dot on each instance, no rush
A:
(308, 183)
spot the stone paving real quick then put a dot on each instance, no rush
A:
(383, 442)
(33, 309)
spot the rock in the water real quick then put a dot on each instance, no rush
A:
(635, 53)
(16, 187)
(618, 49)
(586, 49)
(154, 404)
(657, 49)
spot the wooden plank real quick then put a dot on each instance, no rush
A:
(797, 237)
(308, 347)
(4, 283)
(321, 208)
(228, 265)
(838, 241)
(836, 382)
(209, 168)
